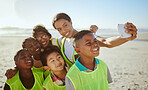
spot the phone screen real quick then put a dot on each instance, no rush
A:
(122, 31)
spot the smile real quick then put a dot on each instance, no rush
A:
(67, 34)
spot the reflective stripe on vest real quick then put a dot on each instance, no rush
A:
(95, 80)
(64, 56)
(54, 41)
(50, 85)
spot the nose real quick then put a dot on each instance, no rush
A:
(95, 43)
(62, 32)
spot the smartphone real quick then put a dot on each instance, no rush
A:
(122, 31)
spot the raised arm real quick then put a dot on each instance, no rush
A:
(116, 41)
(93, 28)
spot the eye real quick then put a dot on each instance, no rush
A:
(52, 60)
(30, 46)
(65, 25)
(39, 38)
(59, 29)
(59, 57)
(88, 44)
(44, 36)
(96, 41)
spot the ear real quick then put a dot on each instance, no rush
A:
(77, 50)
(71, 22)
(16, 63)
(46, 68)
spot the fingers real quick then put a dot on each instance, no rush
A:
(130, 24)
(10, 73)
(93, 28)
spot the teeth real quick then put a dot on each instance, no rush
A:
(44, 43)
(95, 49)
(37, 49)
(66, 34)
(29, 61)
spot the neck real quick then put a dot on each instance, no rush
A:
(36, 56)
(61, 74)
(74, 32)
(87, 62)
(26, 73)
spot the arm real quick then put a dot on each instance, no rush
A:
(109, 78)
(6, 87)
(116, 41)
(93, 28)
(10, 73)
(69, 85)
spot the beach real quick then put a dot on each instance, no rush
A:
(128, 63)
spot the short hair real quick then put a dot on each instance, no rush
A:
(40, 28)
(60, 16)
(48, 51)
(18, 52)
(27, 39)
(79, 36)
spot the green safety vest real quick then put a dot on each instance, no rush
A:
(46, 73)
(54, 41)
(50, 85)
(95, 80)
(16, 84)
(64, 56)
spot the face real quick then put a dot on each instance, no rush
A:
(65, 28)
(33, 47)
(88, 46)
(25, 60)
(55, 61)
(43, 39)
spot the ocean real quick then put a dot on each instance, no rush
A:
(14, 32)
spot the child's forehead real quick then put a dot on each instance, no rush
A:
(31, 41)
(40, 32)
(88, 36)
(24, 53)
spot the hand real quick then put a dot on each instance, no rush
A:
(10, 73)
(131, 29)
(93, 28)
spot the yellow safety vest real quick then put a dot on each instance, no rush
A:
(16, 84)
(50, 85)
(95, 80)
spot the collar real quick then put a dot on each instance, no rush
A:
(81, 67)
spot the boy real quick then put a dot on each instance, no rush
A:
(88, 72)
(52, 60)
(26, 77)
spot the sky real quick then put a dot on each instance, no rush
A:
(84, 13)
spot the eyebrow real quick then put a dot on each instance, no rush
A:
(64, 23)
(52, 58)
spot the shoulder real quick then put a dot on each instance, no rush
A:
(13, 79)
(72, 71)
(100, 61)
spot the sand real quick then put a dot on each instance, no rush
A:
(128, 63)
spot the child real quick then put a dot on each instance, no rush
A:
(52, 60)
(34, 48)
(88, 72)
(26, 77)
(44, 37)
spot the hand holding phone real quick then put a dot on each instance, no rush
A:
(122, 31)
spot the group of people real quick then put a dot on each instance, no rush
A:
(67, 62)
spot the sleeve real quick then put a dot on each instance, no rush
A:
(109, 78)
(6, 87)
(69, 85)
